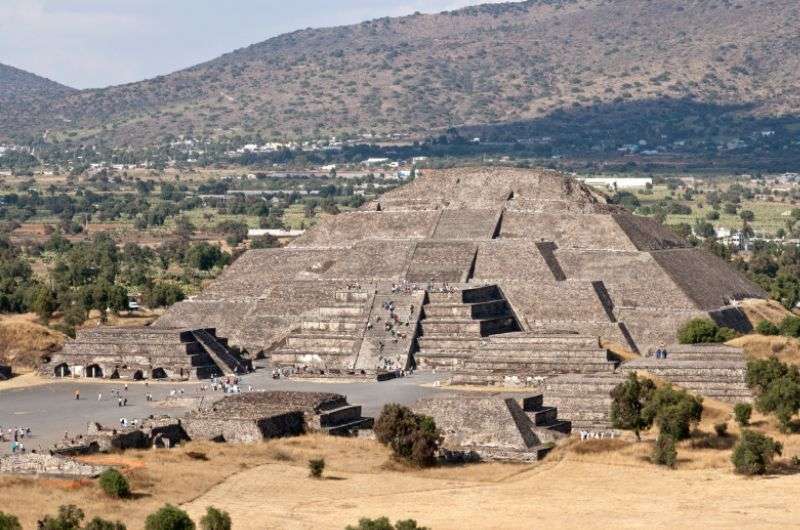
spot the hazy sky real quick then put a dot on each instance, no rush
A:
(94, 43)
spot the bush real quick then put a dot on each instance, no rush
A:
(215, 520)
(411, 436)
(790, 326)
(754, 453)
(69, 518)
(703, 330)
(102, 524)
(168, 518)
(721, 429)
(383, 523)
(114, 484)
(316, 466)
(628, 400)
(9, 522)
(765, 327)
(675, 411)
(777, 388)
(742, 413)
(664, 452)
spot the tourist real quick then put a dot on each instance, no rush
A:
(77, 394)
(99, 396)
(119, 402)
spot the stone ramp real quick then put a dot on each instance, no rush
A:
(715, 371)
(217, 349)
(389, 342)
(467, 224)
(495, 427)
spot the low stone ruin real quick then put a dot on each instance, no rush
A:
(248, 418)
(495, 427)
(40, 464)
(150, 432)
(147, 353)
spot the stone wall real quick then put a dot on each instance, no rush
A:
(39, 464)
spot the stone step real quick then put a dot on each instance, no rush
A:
(285, 353)
(479, 327)
(448, 343)
(539, 367)
(349, 428)
(543, 416)
(351, 296)
(341, 311)
(338, 325)
(340, 415)
(540, 354)
(526, 341)
(492, 308)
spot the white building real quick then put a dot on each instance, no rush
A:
(618, 183)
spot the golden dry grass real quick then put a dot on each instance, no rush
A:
(786, 349)
(23, 341)
(605, 483)
(758, 310)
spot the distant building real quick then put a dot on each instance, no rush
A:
(274, 232)
(618, 183)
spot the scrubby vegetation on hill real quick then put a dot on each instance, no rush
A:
(480, 65)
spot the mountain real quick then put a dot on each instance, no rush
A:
(22, 91)
(490, 64)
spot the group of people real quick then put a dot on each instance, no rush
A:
(595, 435)
(16, 435)
(661, 353)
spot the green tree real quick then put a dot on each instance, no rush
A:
(383, 523)
(777, 388)
(169, 518)
(204, 257)
(742, 413)
(114, 484)
(754, 452)
(703, 330)
(69, 518)
(215, 519)
(627, 402)
(664, 452)
(790, 326)
(674, 411)
(413, 437)
(9, 522)
(765, 327)
(101, 524)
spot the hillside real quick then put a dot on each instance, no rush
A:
(20, 89)
(496, 63)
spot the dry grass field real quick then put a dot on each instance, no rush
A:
(603, 483)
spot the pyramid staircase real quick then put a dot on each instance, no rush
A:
(713, 370)
(217, 349)
(330, 337)
(454, 323)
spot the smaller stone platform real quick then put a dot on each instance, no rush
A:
(495, 427)
(248, 418)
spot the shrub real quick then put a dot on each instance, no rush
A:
(69, 518)
(114, 484)
(721, 429)
(102, 524)
(9, 522)
(168, 518)
(765, 327)
(754, 452)
(742, 413)
(777, 387)
(703, 330)
(383, 523)
(628, 400)
(674, 411)
(411, 436)
(664, 452)
(215, 520)
(790, 326)
(316, 466)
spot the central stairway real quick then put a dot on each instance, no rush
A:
(455, 323)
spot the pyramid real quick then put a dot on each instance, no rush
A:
(469, 262)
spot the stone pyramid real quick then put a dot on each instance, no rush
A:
(465, 253)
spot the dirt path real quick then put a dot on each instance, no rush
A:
(565, 494)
